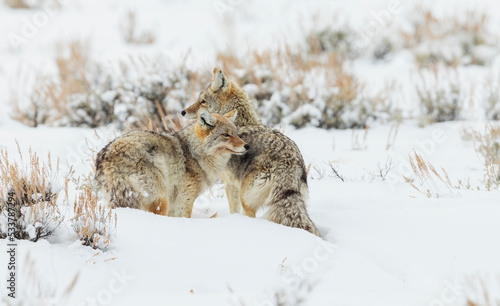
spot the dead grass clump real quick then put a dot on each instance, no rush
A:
(482, 291)
(93, 222)
(440, 95)
(487, 145)
(132, 35)
(451, 40)
(29, 195)
(429, 180)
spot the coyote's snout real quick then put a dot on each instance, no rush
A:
(164, 174)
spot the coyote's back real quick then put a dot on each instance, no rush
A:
(130, 170)
(164, 174)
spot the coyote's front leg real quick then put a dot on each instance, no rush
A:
(186, 199)
(232, 188)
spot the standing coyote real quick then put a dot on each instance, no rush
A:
(164, 174)
(272, 173)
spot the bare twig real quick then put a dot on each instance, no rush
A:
(336, 172)
(383, 171)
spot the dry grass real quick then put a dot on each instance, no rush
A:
(460, 32)
(35, 194)
(440, 94)
(487, 145)
(393, 134)
(93, 222)
(429, 180)
(482, 291)
(131, 33)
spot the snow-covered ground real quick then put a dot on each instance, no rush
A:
(383, 242)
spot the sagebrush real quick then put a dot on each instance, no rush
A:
(487, 145)
(291, 85)
(29, 190)
(94, 222)
(459, 39)
(128, 93)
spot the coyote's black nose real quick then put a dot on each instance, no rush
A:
(247, 147)
(183, 113)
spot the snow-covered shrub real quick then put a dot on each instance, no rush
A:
(291, 85)
(273, 110)
(341, 39)
(128, 93)
(303, 89)
(460, 39)
(28, 197)
(377, 40)
(48, 99)
(493, 107)
(487, 145)
(94, 222)
(440, 95)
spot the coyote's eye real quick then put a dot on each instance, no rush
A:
(226, 135)
(203, 102)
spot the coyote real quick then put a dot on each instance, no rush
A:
(164, 174)
(272, 174)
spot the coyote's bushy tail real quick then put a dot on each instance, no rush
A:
(288, 207)
(117, 190)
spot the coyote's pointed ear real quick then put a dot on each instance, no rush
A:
(231, 115)
(219, 80)
(205, 119)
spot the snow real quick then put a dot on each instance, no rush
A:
(383, 242)
(381, 238)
